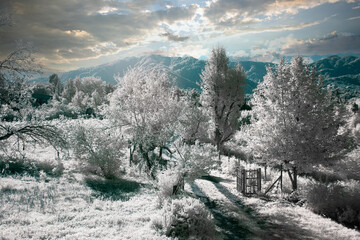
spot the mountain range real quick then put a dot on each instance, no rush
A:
(343, 73)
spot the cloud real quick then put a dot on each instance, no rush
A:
(333, 43)
(354, 18)
(63, 31)
(233, 13)
(180, 50)
(173, 37)
(278, 28)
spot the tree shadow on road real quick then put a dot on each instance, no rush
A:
(277, 227)
(230, 227)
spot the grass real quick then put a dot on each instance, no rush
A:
(65, 209)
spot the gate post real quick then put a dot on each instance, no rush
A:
(243, 181)
(281, 177)
(238, 181)
(259, 179)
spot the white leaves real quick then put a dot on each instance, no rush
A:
(294, 119)
(222, 94)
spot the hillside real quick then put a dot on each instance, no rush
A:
(185, 70)
(341, 72)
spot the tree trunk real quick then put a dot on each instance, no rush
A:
(293, 178)
(131, 160)
(147, 160)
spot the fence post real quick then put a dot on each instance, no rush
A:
(259, 179)
(237, 179)
(281, 176)
(243, 181)
(265, 173)
(295, 178)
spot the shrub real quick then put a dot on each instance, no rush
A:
(339, 201)
(55, 110)
(12, 165)
(229, 165)
(188, 218)
(100, 150)
(197, 160)
(166, 181)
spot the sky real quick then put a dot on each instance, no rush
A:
(69, 34)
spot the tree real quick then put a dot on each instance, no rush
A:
(145, 105)
(55, 86)
(295, 121)
(69, 90)
(14, 69)
(15, 96)
(222, 95)
(193, 120)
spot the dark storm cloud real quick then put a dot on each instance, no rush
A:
(65, 30)
(173, 37)
(334, 43)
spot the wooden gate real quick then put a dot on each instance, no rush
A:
(248, 181)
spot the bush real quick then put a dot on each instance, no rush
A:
(339, 201)
(100, 150)
(55, 110)
(188, 218)
(12, 165)
(166, 181)
(197, 160)
(229, 165)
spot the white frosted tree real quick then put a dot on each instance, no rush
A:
(222, 95)
(193, 121)
(296, 121)
(147, 108)
(88, 93)
(15, 104)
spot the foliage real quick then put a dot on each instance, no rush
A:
(222, 95)
(354, 119)
(340, 202)
(15, 104)
(11, 165)
(56, 109)
(87, 93)
(14, 70)
(36, 132)
(167, 180)
(188, 218)
(295, 120)
(230, 165)
(147, 108)
(100, 150)
(196, 160)
(55, 86)
(193, 120)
